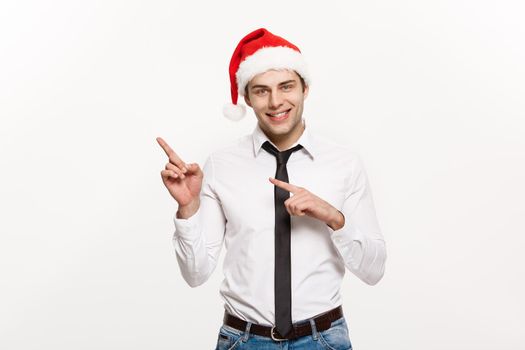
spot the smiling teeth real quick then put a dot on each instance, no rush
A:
(279, 114)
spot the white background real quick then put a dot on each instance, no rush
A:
(429, 93)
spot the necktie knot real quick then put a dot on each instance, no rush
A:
(282, 157)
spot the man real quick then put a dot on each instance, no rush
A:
(291, 208)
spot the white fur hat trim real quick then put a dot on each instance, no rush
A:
(276, 57)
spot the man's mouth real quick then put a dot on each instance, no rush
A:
(279, 115)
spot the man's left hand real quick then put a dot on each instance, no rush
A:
(303, 202)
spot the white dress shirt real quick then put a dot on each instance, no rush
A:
(237, 209)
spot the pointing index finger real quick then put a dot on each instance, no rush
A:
(284, 185)
(174, 158)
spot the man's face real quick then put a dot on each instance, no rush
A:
(277, 98)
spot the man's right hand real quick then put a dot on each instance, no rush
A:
(183, 181)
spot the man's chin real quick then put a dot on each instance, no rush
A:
(278, 129)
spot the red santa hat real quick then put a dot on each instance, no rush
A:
(257, 53)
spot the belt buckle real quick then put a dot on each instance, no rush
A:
(273, 336)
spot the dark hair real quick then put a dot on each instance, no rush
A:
(303, 84)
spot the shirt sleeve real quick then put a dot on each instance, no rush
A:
(360, 242)
(198, 239)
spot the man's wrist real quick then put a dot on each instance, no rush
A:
(338, 221)
(187, 211)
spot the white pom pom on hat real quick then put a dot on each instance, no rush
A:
(258, 52)
(234, 112)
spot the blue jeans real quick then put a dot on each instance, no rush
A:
(334, 338)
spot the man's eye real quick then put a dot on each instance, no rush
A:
(260, 92)
(287, 87)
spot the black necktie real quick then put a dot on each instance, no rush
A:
(283, 283)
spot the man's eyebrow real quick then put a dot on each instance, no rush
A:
(282, 83)
(258, 86)
(288, 82)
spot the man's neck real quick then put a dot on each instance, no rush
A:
(286, 141)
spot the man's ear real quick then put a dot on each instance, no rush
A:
(247, 100)
(306, 90)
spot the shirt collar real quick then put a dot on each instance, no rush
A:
(259, 137)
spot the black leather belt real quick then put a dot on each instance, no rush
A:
(322, 323)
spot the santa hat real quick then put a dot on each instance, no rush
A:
(256, 53)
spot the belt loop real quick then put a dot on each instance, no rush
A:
(246, 332)
(314, 329)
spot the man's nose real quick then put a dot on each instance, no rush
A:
(276, 100)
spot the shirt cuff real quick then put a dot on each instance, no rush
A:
(187, 229)
(349, 242)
